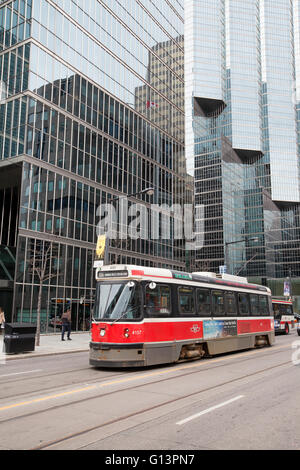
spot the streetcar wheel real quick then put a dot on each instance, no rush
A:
(287, 330)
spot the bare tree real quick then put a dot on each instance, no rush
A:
(41, 258)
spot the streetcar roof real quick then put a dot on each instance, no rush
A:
(125, 271)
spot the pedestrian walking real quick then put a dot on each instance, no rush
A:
(2, 320)
(66, 324)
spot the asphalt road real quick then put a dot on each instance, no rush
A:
(247, 400)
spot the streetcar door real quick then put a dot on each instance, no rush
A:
(159, 332)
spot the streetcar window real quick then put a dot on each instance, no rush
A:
(158, 300)
(277, 313)
(255, 310)
(230, 304)
(243, 304)
(204, 303)
(186, 300)
(264, 305)
(116, 300)
(289, 310)
(282, 309)
(279, 310)
(218, 302)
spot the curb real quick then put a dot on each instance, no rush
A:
(51, 349)
(12, 357)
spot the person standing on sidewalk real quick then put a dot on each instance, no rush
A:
(2, 320)
(66, 324)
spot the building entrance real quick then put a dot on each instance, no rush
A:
(6, 299)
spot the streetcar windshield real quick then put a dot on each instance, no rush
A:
(117, 300)
(282, 309)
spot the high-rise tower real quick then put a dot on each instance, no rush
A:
(75, 133)
(242, 133)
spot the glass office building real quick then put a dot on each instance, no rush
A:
(92, 108)
(242, 63)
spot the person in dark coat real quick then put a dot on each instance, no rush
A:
(66, 324)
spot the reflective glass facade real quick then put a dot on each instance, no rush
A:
(242, 133)
(92, 107)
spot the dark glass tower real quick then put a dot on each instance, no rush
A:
(92, 107)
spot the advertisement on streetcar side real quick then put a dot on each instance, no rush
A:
(219, 328)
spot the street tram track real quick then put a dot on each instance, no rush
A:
(113, 377)
(48, 445)
(139, 386)
(45, 389)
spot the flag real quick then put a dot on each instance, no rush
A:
(151, 104)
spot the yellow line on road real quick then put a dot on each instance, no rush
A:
(131, 379)
(49, 397)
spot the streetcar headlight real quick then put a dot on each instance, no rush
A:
(126, 333)
(102, 332)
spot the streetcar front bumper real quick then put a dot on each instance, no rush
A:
(117, 355)
(279, 327)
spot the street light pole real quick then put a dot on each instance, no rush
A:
(290, 282)
(148, 191)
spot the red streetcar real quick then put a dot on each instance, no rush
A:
(283, 315)
(145, 316)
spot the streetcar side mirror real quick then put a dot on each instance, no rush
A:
(152, 285)
(130, 284)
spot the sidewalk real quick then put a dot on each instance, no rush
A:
(52, 344)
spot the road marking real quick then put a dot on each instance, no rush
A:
(20, 373)
(146, 375)
(38, 400)
(190, 418)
